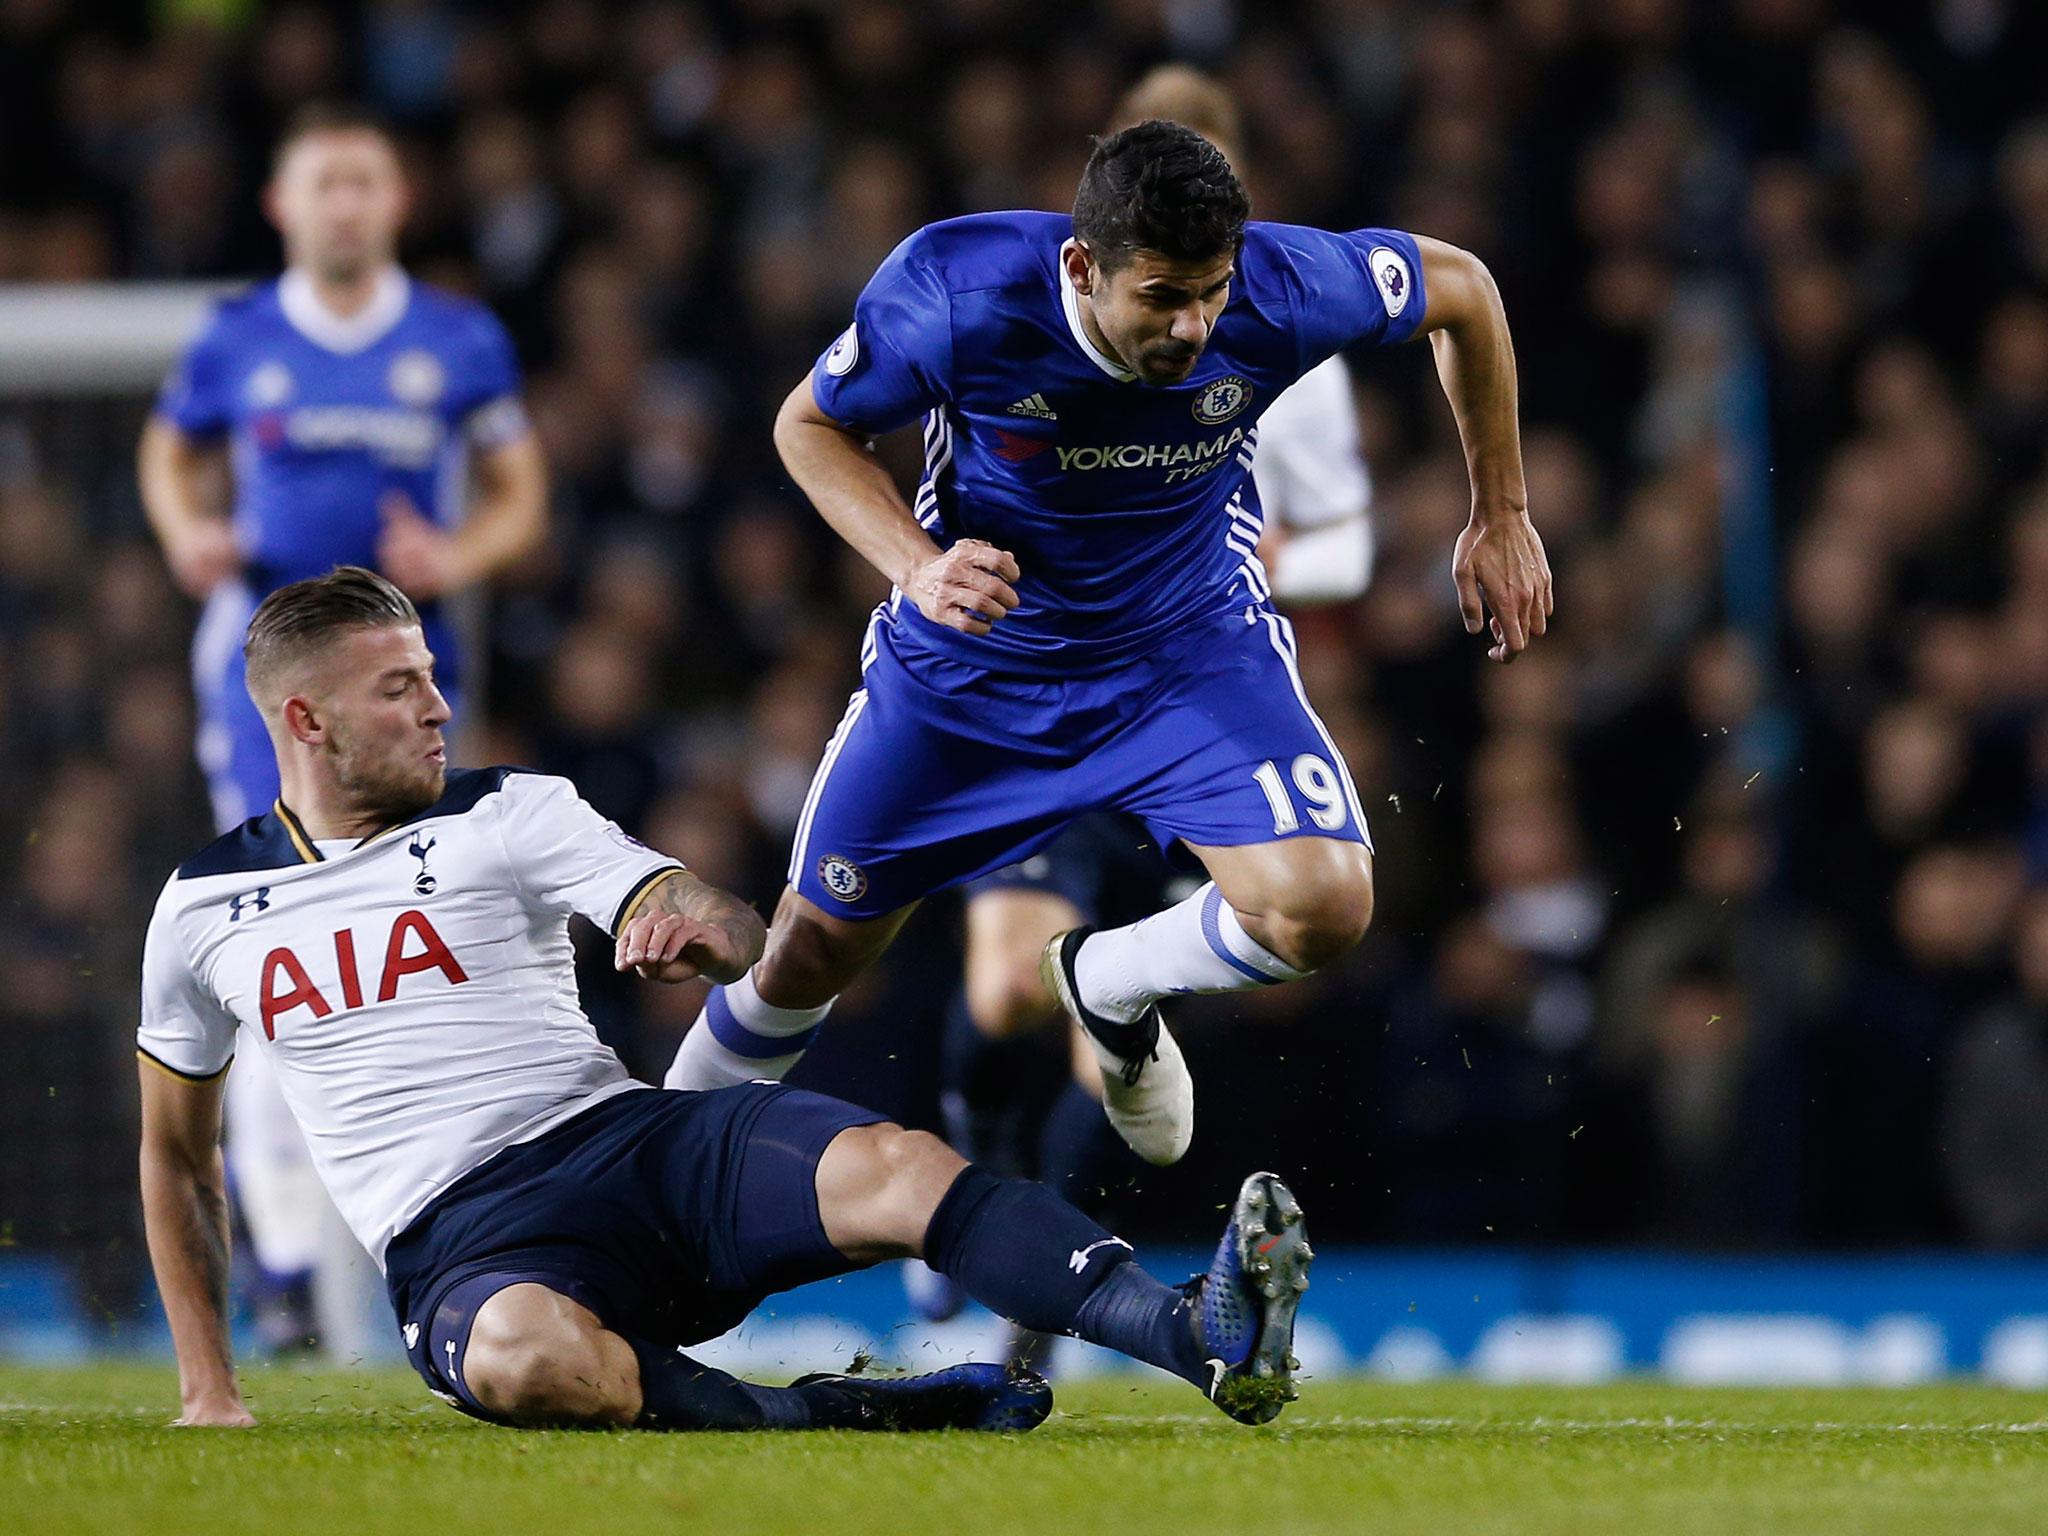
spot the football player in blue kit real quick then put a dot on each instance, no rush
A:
(1018, 1089)
(1080, 619)
(360, 417)
(351, 415)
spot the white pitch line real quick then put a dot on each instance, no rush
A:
(1541, 1426)
(1724, 1426)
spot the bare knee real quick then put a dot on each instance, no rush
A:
(1007, 931)
(812, 956)
(1326, 919)
(1005, 994)
(536, 1358)
(878, 1186)
(1318, 919)
(804, 964)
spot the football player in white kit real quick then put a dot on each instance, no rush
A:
(393, 937)
(357, 416)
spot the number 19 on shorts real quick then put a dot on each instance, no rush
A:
(1320, 788)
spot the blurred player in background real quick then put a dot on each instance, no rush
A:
(1018, 1086)
(343, 414)
(395, 938)
(1081, 621)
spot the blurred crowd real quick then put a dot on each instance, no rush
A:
(1721, 917)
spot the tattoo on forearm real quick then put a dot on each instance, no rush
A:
(739, 925)
(210, 1231)
(189, 1241)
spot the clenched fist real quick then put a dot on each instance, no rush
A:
(966, 587)
(417, 553)
(202, 553)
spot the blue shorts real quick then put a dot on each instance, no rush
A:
(235, 753)
(941, 772)
(668, 1214)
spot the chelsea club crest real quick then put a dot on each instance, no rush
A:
(842, 877)
(416, 378)
(1223, 400)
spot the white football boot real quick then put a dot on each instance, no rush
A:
(1146, 1090)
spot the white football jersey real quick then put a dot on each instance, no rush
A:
(414, 992)
(1313, 482)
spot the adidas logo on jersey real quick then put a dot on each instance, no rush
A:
(1035, 406)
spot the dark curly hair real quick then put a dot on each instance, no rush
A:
(1158, 186)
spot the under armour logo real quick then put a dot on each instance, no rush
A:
(423, 882)
(257, 900)
(412, 1334)
(449, 1345)
(1078, 1259)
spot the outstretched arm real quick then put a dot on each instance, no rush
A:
(684, 927)
(1499, 563)
(185, 1212)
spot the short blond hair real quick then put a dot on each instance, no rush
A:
(296, 622)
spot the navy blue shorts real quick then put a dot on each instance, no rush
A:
(668, 1214)
(1106, 866)
(942, 772)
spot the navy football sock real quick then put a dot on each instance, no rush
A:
(1023, 1252)
(1079, 1157)
(1137, 1315)
(678, 1393)
(993, 1091)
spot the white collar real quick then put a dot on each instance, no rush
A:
(312, 319)
(1071, 302)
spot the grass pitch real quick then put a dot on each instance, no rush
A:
(90, 1450)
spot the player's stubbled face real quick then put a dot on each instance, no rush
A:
(1157, 314)
(338, 200)
(385, 717)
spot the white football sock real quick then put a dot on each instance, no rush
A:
(1197, 946)
(740, 1039)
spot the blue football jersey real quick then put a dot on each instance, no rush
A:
(1130, 509)
(325, 416)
